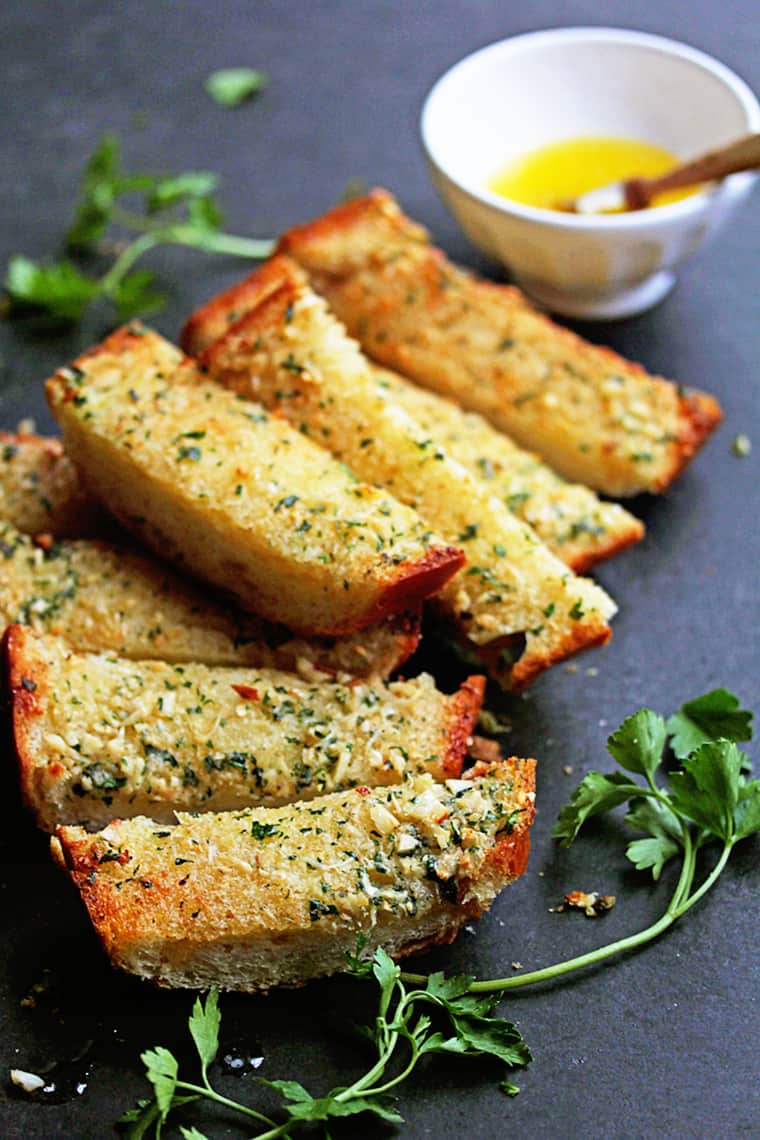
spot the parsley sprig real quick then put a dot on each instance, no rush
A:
(706, 797)
(124, 215)
(404, 1031)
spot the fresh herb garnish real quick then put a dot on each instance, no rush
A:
(173, 209)
(441, 1016)
(707, 798)
(231, 86)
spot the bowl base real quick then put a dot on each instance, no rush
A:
(626, 303)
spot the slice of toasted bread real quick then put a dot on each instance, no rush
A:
(594, 417)
(243, 499)
(40, 490)
(98, 736)
(100, 595)
(275, 896)
(515, 600)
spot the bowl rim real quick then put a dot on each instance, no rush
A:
(660, 215)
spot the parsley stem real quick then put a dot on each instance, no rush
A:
(124, 262)
(210, 241)
(391, 1040)
(278, 1130)
(707, 884)
(680, 901)
(211, 1094)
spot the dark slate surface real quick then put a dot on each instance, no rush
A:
(661, 1043)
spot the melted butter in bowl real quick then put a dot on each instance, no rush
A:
(562, 171)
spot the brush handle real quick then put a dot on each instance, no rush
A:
(744, 154)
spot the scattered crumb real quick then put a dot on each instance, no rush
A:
(592, 671)
(39, 988)
(470, 929)
(541, 874)
(568, 769)
(484, 749)
(29, 1082)
(517, 965)
(592, 903)
(27, 426)
(603, 723)
(742, 446)
(571, 668)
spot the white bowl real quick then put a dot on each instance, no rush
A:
(525, 92)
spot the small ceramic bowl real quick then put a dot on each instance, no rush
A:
(525, 92)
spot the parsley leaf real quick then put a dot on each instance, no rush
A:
(161, 1070)
(708, 717)
(178, 188)
(747, 810)
(706, 789)
(638, 743)
(204, 1025)
(664, 831)
(134, 295)
(595, 794)
(98, 190)
(386, 972)
(231, 86)
(490, 1035)
(56, 287)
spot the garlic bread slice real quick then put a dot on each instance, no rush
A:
(576, 525)
(214, 483)
(98, 736)
(102, 595)
(276, 896)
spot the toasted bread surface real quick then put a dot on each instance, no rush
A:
(276, 896)
(100, 595)
(576, 525)
(287, 530)
(594, 417)
(512, 587)
(98, 736)
(40, 490)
